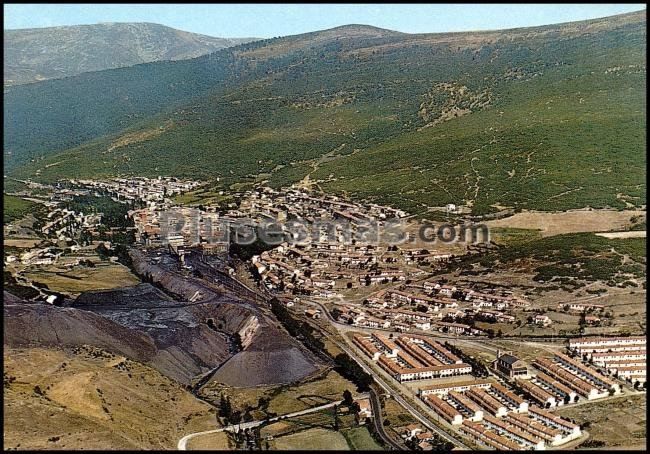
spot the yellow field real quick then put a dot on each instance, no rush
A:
(22, 242)
(219, 441)
(619, 423)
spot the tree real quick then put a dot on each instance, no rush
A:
(235, 417)
(347, 398)
(236, 342)
(228, 409)
(222, 406)
(263, 403)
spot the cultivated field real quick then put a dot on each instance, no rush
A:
(359, 439)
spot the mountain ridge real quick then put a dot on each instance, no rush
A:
(270, 109)
(35, 54)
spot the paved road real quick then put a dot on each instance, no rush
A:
(182, 443)
(416, 413)
(378, 423)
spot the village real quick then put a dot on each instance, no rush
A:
(514, 407)
(400, 317)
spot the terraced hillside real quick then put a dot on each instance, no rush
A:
(539, 118)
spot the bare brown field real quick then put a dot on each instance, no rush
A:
(22, 242)
(94, 400)
(573, 221)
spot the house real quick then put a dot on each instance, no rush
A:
(365, 410)
(313, 313)
(424, 437)
(453, 328)
(424, 326)
(542, 320)
(411, 430)
(510, 365)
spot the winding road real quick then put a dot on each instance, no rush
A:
(182, 443)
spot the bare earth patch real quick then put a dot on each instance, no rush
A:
(632, 234)
(574, 221)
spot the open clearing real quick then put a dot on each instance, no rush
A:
(573, 221)
(288, 398)
(22, 242)
(618, 423)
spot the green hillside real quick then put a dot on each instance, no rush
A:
(542, 118)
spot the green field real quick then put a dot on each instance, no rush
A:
(359, 438)
(15, 208)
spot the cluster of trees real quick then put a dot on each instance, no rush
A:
(114, 214)
(478, 367)
(437, 443)
(349, 369)
(298, 329)
(231, 415)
